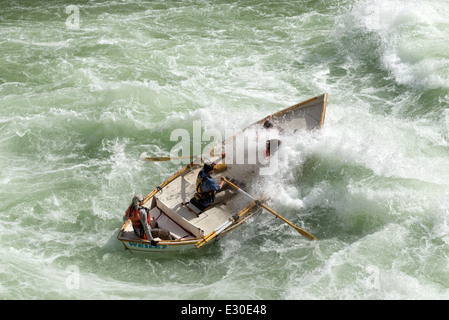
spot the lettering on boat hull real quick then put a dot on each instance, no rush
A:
(145, 246)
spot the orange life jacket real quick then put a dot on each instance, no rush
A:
(134, 216)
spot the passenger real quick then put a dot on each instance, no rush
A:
(268, 124)
(206, 187)
(143, 226)
(271, 146)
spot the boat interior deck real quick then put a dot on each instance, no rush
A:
(171, 210)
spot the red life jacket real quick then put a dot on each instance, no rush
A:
(134, 216)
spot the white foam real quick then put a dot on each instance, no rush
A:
(413, 38)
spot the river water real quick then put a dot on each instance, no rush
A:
(89, 87)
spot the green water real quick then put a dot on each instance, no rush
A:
(79, 107)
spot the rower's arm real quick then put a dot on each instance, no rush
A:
(144, 220)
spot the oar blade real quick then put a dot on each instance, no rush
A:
(300, 231)
(305, 234)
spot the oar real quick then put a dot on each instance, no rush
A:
(301, 231)
(156, 159)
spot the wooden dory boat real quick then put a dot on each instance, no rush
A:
(167, 202)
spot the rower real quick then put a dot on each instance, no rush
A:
(206, 187)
